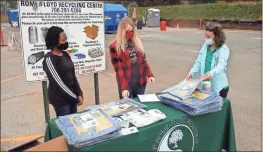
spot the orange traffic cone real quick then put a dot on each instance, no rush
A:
(201, 24)
(2, 37)
(134, 14)
(177, 27)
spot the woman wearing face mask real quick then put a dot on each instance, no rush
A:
(129, 61)
(212, 60)
(64, 91)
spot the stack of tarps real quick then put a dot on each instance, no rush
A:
(99, 123)
(186, 97)
(88, 128)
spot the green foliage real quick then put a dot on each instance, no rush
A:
(224, 11)
(11, 4)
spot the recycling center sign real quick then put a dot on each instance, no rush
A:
(83, 23)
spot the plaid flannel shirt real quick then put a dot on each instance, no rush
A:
(122, 65)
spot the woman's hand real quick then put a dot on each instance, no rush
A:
(188, 77)
(81, 99)
(151, 79)
(207, 76)
(125, 93)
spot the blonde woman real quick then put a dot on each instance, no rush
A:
(129, 61)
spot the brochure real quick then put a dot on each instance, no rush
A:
(149, 98)
(117, 108)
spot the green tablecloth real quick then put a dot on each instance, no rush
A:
(179, 131)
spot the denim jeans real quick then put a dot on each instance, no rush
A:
(135, 89)
(224, 92)
(65, 109)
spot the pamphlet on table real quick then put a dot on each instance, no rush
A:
(149, 98)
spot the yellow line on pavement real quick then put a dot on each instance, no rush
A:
(110, 74)
(23, 138)
(9, 79)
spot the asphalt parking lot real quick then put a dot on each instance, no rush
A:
(170, 55)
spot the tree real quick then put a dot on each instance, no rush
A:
(176, 136)
(11, 4)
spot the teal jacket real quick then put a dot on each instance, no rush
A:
(218, 67)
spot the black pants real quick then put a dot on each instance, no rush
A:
(135, 89)
(65, 109)
(224, 92)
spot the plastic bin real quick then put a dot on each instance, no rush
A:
(113, 14)
(13, 16)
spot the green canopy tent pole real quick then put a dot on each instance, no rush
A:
(46, 102)
(96, 88)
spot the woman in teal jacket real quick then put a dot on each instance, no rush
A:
(212, 60)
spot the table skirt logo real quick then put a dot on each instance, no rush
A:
(178, 135)
(175, 136)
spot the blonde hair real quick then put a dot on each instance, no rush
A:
(120, 37)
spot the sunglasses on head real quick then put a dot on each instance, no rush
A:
(210, 27)
(129, 31)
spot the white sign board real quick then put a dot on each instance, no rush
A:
(83, 23)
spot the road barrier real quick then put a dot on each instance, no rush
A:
(2, 36)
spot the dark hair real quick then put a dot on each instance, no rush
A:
(52, 37)
(217, 29)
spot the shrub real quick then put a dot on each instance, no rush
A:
(224, 11)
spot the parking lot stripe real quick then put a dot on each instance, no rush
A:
(187, 50)
(257, 38)
(182, 58)
(12, 78)
(10, 59)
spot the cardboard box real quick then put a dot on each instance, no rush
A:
(58, 144)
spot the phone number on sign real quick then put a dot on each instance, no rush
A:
(38, 73)
(86, 69)
(66, 10)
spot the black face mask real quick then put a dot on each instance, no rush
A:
(63, 46)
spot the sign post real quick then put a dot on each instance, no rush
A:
(96, 88)
(83, 23)
(45, 99)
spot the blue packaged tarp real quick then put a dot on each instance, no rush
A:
(88, 128)
(199, 103)
(113, 13)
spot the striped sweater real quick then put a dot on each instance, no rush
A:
(63, 85)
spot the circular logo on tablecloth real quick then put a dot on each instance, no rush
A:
(177, 135)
